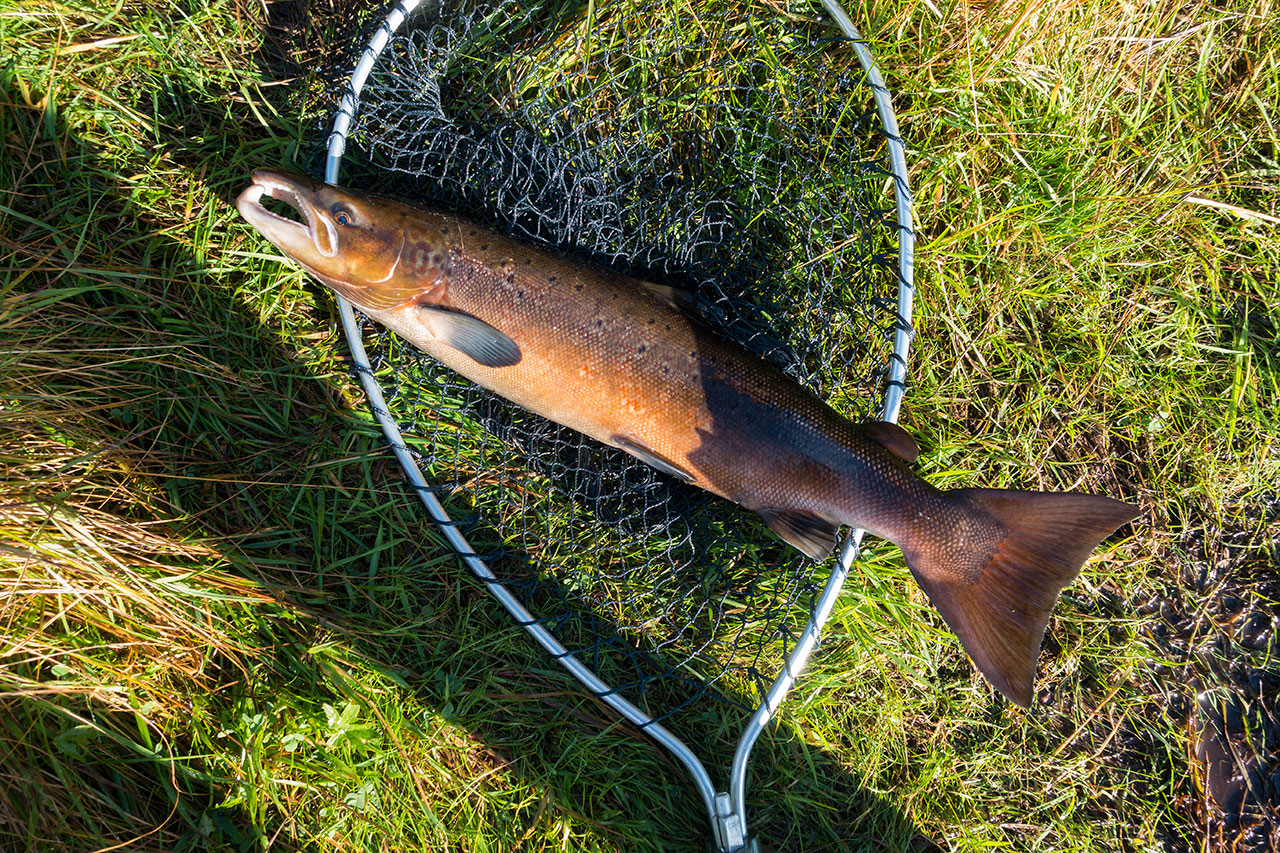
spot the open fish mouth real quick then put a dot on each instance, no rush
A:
(314, 233)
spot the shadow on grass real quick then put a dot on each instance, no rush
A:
(248, 441)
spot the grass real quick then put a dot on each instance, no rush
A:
(225, 625)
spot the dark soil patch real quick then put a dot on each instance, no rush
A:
(1215, 630)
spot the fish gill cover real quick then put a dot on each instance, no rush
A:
(616, 132)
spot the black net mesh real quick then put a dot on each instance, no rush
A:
(731, 152)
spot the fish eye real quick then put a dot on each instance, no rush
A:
(342, 215)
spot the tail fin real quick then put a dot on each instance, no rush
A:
(996, 584)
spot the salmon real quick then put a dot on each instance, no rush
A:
(627, 363)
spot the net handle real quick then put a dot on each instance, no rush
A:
(728, 811)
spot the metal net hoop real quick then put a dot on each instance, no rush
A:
(748, 157)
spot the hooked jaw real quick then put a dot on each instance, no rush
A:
(312, 238)
(352, 244)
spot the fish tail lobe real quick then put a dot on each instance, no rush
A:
(996, 575)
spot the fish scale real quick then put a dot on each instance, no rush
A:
(658, 375)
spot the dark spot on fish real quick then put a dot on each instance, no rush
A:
(552, 278)
(641, 348)
(667, 326)
(692, 354)
(599, 323)
(665, 369)
(435, 259)
(444, 229)
(575, 287)
(484, 247)
(652, 321)
(519, 293)
(528, 260)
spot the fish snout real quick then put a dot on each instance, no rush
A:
(296, 236)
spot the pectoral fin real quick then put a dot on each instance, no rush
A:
(472, 337)
(652, 458)
(812, 534)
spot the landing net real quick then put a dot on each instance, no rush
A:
(734, 152)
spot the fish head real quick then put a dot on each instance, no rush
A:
(351, 242)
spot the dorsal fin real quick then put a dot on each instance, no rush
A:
(892, 438)
(677, 297)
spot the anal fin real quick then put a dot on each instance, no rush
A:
(812, 534)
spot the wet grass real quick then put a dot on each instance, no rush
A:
(224, 624)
